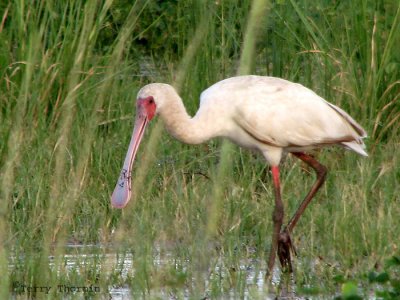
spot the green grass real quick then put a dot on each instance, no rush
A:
(69, 74)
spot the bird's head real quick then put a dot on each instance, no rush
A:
(150, 100)
(152, 97)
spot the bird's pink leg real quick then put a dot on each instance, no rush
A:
(285, 245)
(277, 218)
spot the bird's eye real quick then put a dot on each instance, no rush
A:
(151, 100)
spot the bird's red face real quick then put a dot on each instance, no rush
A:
(145, 111)
(147, 106)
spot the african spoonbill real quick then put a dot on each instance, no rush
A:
(266, 114)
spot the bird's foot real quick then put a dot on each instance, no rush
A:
(285, 248)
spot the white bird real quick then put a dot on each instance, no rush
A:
(271, 115)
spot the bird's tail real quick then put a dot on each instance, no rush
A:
(356, 146)
(359, 133)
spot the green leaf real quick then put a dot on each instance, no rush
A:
(382, 294)
(382, 277)
(393, 261)
(372, 276)
(339, 278)
(395, 284)
(350, 291)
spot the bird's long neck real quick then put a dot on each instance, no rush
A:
(182, 126)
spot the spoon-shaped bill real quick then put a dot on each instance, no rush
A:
(122, 192)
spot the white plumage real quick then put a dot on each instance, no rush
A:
(267, 114)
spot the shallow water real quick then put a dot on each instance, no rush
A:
(78, 258)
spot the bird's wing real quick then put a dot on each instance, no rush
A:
(295, 121)
(280, 113)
